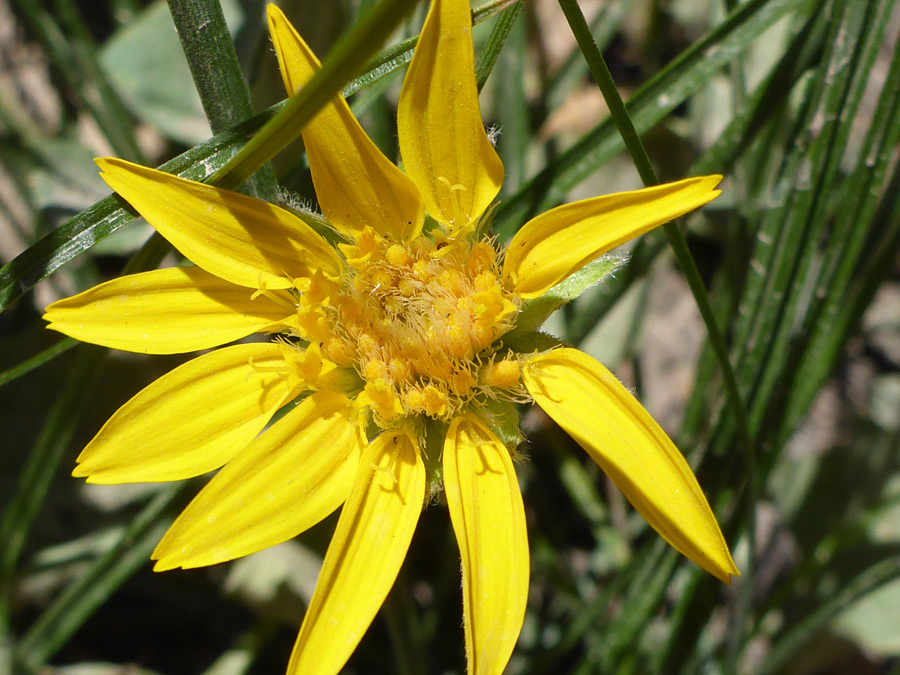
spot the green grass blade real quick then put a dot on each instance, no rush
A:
(765, 103)
(217, 74)
(775, 247)
(720, 157)
(497, 39)
(513, 115)
(39, 359)
(768, 99)
(773, 237)
(344, 61)
(43, 462)
(653, 577)
(877, 575)
(639, 156)
(798, 228)
(807, 217)
(108, 215)
(69, 43)
(845, 254)
(68, 612)
(99, 221)
(213, 61)
(659, 96)
(603, 27)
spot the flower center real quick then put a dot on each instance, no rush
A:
(417, 321)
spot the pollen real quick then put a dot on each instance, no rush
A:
(418, 321)
(503, 374)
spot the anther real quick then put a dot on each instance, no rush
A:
(391, 467)
(454, 189)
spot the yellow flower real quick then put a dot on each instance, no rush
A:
(401, 331)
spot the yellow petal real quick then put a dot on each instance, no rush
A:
(586, 400)
(284, 482)
(563, 240)
(365, 554)
(444, 146)
(169, 311)
(356, 185)
(190, 421)
(489, 520)
(240, 239)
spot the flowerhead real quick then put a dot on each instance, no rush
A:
(390, 331)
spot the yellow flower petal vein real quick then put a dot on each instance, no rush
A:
(364, 556)
(243, 240)
(489, 520)
(191, 420)
(356, 185)
(444, 147)
(168, 311)
(586, 400)
(561, 241)
(283, 483)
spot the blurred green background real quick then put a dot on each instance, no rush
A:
(794, 101)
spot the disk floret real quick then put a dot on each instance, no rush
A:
(418, 321)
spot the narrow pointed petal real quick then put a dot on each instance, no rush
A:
(365, 554)
(444, 146)
(287, 480)
(191, 420)
(356, 185)
(169, 311)
(563, 240)
(586, 400)
(243, 240)
(489, 520)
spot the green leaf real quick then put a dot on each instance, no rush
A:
(535, 312)
(528, 343)
(155, 82)
(872, 621)
(503, 419)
